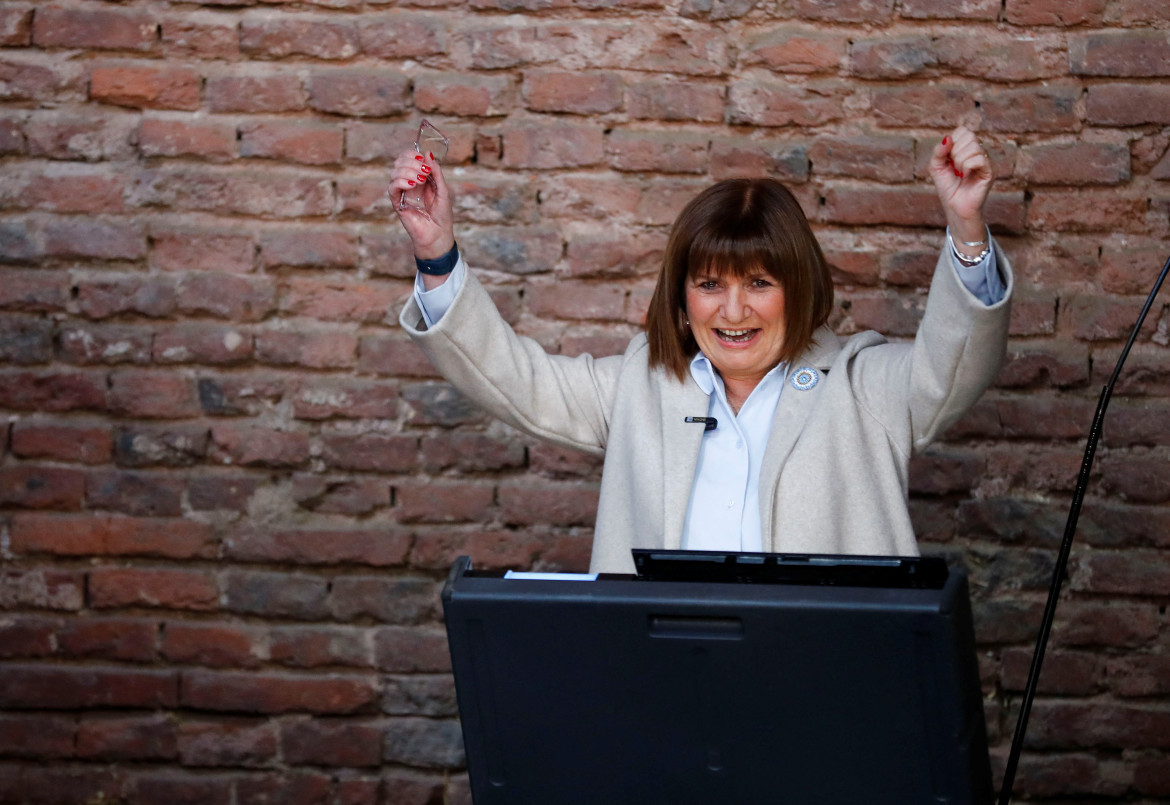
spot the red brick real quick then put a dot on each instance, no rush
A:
(1132, 104)
(577, 300)
(552, 503)
(109, 639)
(94, 29)
(887, 159)
(443, 502)
(371, 452)
(731, 158)
(36, 737)
(513, 249)
(773, 103)
(796, 50)
(356, 497)
(950, 10)
(302, 247)
(260, 92)
(1137, 479)
(1138, 675)
(654, 151)
(42, 589)
(147, 494)
(557, 145)
(34, 291)
(1065, 724)
(1047, 108)
(181, 788)
(297, 35)
(307, 143)
(16, 26)
(1055, 12)
(127, 738)
(374, 547)
(160, 445)
(1151, 775)
(322, 349)
(464, 95)
(1105, 623)
(403, 35)
(345, 398)
(411, 649)
(197, 342)
(62, 441)
(844, 10)
(146, 86)
(893, 57)
(424, 742)
(23, 636)
(319, 646)
(908, 206)
(358, 93)
(1065, 673)
(201, 37)
(1135, 12)
(29, 486)
(1004, 58)
(278, 693)
(184, 137)
(1062, 365)
(25, 80)
(1120, 54)
(54, 391)
(577, 92)
(386, 599)
(1127, 267)
(154, 394)
(935, 105)
(70, 188)
(227, 296)
(331, 743)
(1086, 211)
(594, 253)
(104, 343)
(144, 296)
(221, 493)
(98, 535)
(299, 786)
(941, 472)
(193, 249)
(256, 446)
(280, 595)
(237, 742)
(236, 395)
(62, 135)
(1074, 163)
(218, 645)
(72, 687)
(26, 340)
(381, 143)
(491, 46)
(111, 587)
(662, 99)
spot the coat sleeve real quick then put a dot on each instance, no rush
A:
(920, 390)
(566, 401)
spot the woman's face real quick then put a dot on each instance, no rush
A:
(737, 321)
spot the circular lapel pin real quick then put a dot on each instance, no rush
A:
(805, 378)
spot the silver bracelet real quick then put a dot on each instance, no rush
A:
(973, 243)
(970, 261)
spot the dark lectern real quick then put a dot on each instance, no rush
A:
(720, 678)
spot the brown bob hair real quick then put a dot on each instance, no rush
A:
(735, 227)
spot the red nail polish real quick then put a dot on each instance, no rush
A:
(422, 178)
(947, 140)
(431, 154)
(959, 174)
(418, 156)
(425, 169)
(410, 182)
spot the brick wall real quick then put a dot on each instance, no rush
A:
(230, 488)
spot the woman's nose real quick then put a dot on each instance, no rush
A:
(735, 307)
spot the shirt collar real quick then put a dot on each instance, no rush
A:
(703, 372)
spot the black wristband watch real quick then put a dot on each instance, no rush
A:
(440, 265)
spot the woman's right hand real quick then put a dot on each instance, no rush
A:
(431, 230)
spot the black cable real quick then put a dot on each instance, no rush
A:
(1070, 528)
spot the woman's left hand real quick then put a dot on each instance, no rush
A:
(962, 175)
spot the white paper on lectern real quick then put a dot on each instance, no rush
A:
(520, 574)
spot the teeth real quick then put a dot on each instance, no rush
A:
(735, 333)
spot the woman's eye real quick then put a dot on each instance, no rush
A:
(761, 282)
(708, 285)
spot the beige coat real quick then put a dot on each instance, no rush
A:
(835, 472)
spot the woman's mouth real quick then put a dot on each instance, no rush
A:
(736, 336)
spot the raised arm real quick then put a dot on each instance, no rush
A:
(432, 229)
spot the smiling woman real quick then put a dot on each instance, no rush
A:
(743, 280)
(803, 439)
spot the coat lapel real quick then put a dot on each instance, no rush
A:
(788, 422)
(681, 442)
